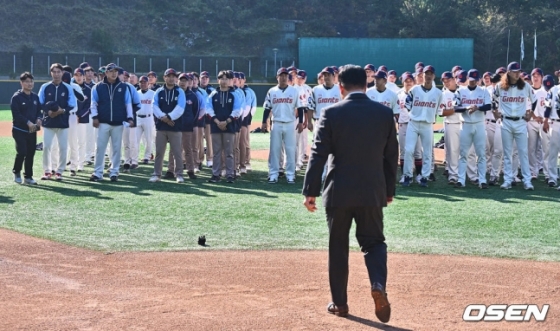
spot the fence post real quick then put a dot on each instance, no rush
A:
(249, 68)
(150, 64)
(134, 65)
(84, 58)
(232, 65)
(100, 62)
(118, 62)
(48, 63)
(167, 63)
(66, 60)
(14, 63)
(281, 64)
(216, 66)
(200, 67)
(184, 65)
(32, 64)
(266, 69)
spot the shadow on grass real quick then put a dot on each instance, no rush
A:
(7, 200)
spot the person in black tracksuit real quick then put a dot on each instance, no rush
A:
(26, 114)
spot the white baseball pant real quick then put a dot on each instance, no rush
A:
(424, 131)
(545, 146)
(282, 132)
(533, 132)
(91, 138)
(144, 130)
(130, 146)
(553, 149)
(105, 134)
(452, 140)
(473, 134)
(490, 132)
(402, 140)
(73, 141)
(50, 137)
(515, 131)
(301, 146)
(82, 143)
(498, 154)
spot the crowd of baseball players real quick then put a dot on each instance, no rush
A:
(494, 123)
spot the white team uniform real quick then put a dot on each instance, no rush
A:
(422, 105)
(283, 104)
(553, 101)
(490, 133)
(145, 123)
(537, 136)
(513, 104)
(301, 139)
(404, 118)
(452, 131)
(74, 141)
(130, 144)
(393, 87)
(387, 98)
(473, 131)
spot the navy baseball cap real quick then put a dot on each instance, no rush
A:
(501, 70)
(126, 74)
(382, 68)
(111, 66)
(548, 82)
(79, 71)
(380, 74)
(537, 71)
(369, 67)
(327, 70)
(170, 71)
(88, 69)
(84, 65)
(151, 73)
(461, 76)
(143, 79)
(187, 76)
(302, 74)
(514, 66)
(456, 68)
(392, 73)
(241, 75)
(335, 69)
(488, 73)
(204, 74)
(429, 68)
(282, 71)
(419, 71)
(406, 75)
(473, 74)
(121, 70)
(446, 75)
(418, 65)
(291, 68)
(235, 74)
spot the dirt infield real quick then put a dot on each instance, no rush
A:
(50, 286)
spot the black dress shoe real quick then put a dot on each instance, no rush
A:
(341, 310)
(169, 175)
(382, 306)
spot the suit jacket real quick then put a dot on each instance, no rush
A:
(357, 139)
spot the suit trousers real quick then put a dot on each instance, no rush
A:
(369, 233)
(25, 151)
(223, 142)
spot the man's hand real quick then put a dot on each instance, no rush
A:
(310, 125)
(222, 125)
(264, 127)
(95, 123)
(31, 127)
(546, 126)
(472, 109)
(300, 128)
(39, 123)
(309, 203)
(528, 116)
(131, 123)
(539, 119)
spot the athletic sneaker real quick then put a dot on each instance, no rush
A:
(58, 177)
(30, 181)
(17, 178)
(424, 182)
(191, 175)
(169, 175)
(452, 181)
(94, 178)
(46, 176)
(493, 181)
(432, 178)
(459, 185)
(209, 164)
(196, 170)
(551, 183)
(248, 167)
(114, 178)
(133, 166)
(402, 179)
(145, 161)
(418, 178)
(406, 181)
(214, 179)
(230, 179)
(72, 173)
(242, 171)
(272, 180)
(483, 186)
(528, 187)
(298, 168)
(506, 186)
(223, 173)
(180, 179)
(291, 180)
(154, 179)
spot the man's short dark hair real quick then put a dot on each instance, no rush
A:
(196, 74)
(68, 68)
(352, 77)
(225, 73)
(56, 65)
(25, 76)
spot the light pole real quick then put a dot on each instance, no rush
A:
(275, 50)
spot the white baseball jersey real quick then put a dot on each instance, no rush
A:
(513, 101)
(283, 103)
(323, 97)
(146, 102)
(464, 97)
(393, 87)
(540, 97)
(552, 101)
(304, 94)
(448, 101)
(387, 98)
(423, 104)
(404, 117)
(490, 90)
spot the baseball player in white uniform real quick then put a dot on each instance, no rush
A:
(490, 128)
(535, 126)
(391, 81)
(145, 119)
(475, 101)
(408, 82)
(382, 94)
(551, 128)
(282, 101)
(422, 102)
(452, 127)
(510, 97)
(305, 92)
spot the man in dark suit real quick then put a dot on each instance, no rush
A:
(361, 180)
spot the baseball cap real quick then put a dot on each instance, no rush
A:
(143, 79)
(548, 82)
(102, 69)
(461, 76)
(514, 66)
(170, 71)
(236, 74)
(111, 66)
(186, 76)
(380, 74)
(301, 74)
(291, 68)
(369, 67)
(419, 71)
(84, 65)
(126, 74)
(120, 70)
(335, 69)
(282, 71)
(488, 73)
(473, 75)
(204, 74)
(501, 70)
(456, 68)
(88, 69)
(446, 75)
(429, 68)
(418, 65)
(382, 68)
(406, 75)
(79, 71)
(537, 71)
(241, 75)
(392, 73)
(327, 70)
(151, 73)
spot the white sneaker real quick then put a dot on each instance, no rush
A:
(298, 168)
(248, 167)
(196, 170)
(180, 179)
(242, 171)
(418, 179)
(516, 179)
(237, 174)
(529, 187)
(402, 179)
(30, 181)
(223, 173)
(154, 179)
(505, 186)
(209, 164)
(17, 178)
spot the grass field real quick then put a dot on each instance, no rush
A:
(134, 214)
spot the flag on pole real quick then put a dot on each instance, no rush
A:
(522, 47)
(535, 45)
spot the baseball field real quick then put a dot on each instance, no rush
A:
(77, 255)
